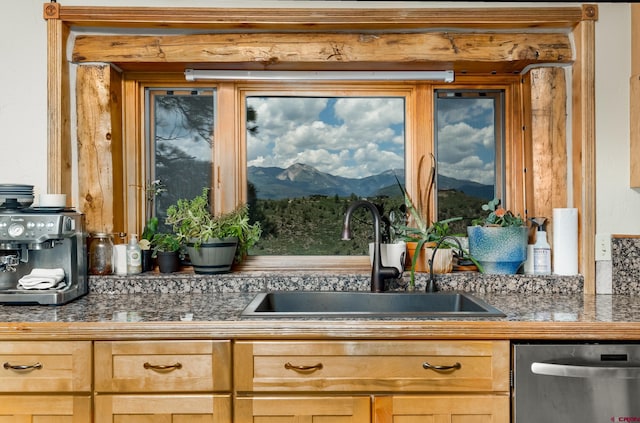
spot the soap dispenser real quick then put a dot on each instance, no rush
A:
(541, 249)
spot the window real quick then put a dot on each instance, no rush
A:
(303, 154)
(180, 127)
(469, 138)
(309, 157)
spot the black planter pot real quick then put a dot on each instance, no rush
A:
(168, 262)
(147, 260)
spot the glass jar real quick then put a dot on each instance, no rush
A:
(101, 254)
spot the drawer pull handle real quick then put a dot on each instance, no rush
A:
(315, 367)
(455, 366)
(163, 368)
(22, 367)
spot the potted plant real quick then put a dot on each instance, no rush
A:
(422, 236)
(166, 250)
(146, 243)
(213, 242)
(498, 241)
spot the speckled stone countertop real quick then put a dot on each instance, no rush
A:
(185, 305)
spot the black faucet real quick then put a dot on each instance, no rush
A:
(378, 272)
(431, 284)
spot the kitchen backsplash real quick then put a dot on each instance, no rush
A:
(187, 282)
(625, 265)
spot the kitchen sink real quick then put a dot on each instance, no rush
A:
(368, 304)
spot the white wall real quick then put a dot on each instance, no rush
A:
(23, 87)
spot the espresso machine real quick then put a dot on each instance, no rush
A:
(43, 255)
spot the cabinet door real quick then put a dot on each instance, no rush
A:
(441, 409)
(45, 409)
(162, 408)
(162, 366)
(303, 409)
(45, 366)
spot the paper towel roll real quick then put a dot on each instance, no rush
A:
(120, 259)
(565, 241)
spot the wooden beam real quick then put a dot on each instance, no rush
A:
(314, 19)
(98, 91)
(584, 150)
(59, 165)
(503, 52)
(549, 142)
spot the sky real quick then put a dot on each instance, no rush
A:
(358, 137)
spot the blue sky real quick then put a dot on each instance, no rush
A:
(350, 137)
(358, 137)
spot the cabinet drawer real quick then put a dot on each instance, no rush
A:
(371, 366)
(162, 366)
(45, 366)
(45, 408)
(163, 408)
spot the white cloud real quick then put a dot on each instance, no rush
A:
(354, 139)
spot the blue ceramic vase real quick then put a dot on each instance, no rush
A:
(500, 250)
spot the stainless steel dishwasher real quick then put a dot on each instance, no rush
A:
(586, 383)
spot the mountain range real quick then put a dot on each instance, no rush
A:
(301, 180)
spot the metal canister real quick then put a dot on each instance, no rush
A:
(101, 254)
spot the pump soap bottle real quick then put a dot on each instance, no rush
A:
(541, 249)
(134, 256)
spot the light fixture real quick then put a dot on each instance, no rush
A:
(260, 75)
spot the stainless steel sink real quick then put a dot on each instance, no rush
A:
(367, 304)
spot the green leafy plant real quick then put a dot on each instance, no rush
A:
(165, 242)
(148, 233)
(498, 216)
(192, 221)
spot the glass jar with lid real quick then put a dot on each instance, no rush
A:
(101, 254)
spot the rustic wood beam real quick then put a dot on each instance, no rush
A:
(549, 151)
(385, 20)
(505, 51)
(99, 147)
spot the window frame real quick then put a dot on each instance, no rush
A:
(229, 185)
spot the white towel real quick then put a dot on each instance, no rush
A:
(42, 279)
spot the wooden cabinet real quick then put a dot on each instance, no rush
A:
(283, 409)
(45, 381)
(402, 381)
(172, 381)
(474, 408)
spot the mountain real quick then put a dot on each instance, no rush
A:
(301, 180)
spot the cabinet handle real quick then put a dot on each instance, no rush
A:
(35, 366)
(162, 368)
(315, 367)
(455, 366)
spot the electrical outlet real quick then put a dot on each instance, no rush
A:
(603, 247)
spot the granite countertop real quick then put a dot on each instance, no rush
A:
(192, 306)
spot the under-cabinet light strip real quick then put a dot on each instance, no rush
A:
(200, 75)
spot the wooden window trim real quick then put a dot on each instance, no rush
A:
(578, 21)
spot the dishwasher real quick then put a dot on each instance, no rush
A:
(585, 382)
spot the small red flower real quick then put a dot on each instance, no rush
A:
(500, 212)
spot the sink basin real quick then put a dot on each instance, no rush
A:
(367, 304)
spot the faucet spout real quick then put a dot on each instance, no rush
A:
(431, 284)
(378, 272)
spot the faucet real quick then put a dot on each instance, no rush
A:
(378, 272)
(431, 283)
